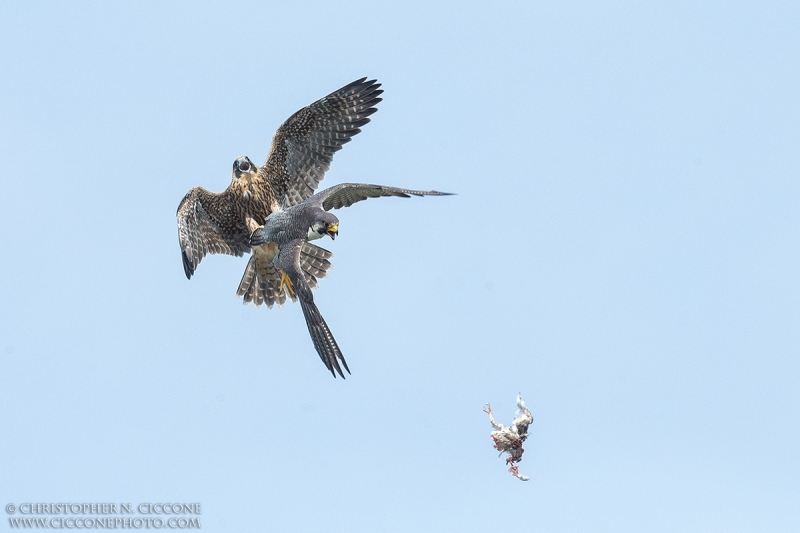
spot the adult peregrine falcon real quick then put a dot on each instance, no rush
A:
(301, 153)
(290, 230)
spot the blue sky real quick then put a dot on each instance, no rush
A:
(623, 251)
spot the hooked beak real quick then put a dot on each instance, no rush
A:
(333, 231)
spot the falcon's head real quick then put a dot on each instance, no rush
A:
(243, 168)
(325, 224)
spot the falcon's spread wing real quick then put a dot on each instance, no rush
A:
(288, 260)
(303, 146)
(346, 194)
(301, 153)
(206, 228)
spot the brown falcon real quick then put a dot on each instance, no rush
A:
(301, 153)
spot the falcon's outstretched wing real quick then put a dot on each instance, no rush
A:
(206, 228)
(346, 194)
(303, 147)
(288, 260)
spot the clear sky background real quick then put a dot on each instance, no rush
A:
(623, 251)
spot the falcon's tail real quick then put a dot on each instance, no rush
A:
(261, 280)
(314, 261)
(260, 283)
(322, 337)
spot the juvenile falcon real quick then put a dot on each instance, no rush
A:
(301, 153)
(290, 231)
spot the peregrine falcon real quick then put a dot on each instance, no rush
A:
(301, 153)
(289, 232)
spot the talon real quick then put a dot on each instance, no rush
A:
(287, 282)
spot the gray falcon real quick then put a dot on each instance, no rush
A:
(301, 153)
(291, 229)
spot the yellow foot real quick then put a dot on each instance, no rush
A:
(286, 281)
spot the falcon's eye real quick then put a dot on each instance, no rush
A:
(244, 166)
